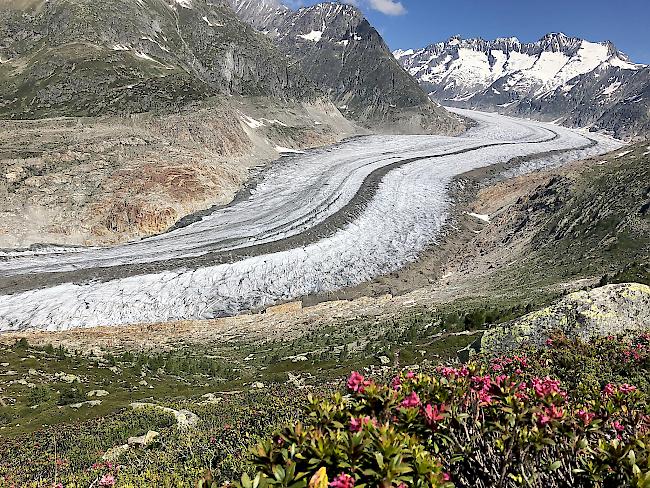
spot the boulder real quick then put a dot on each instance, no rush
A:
(608, 310)
(143, 440)
(184, 418)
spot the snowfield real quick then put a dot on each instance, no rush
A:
(401, 214)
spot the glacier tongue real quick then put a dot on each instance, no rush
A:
(404, 215)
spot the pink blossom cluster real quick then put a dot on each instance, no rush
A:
(449, 372)
(357, 423)
(357, 383)
(551, 413)
(411, 400)
(519, 363)
(342, 481)
(610, 390)
(434, 414)
(586, 416)
(547, 387)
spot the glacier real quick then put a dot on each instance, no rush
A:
(402, 215)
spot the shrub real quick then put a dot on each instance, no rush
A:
(38, 395)
(69, 394)
(483, 425)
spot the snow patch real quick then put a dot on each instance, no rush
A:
(612, 88)
(314, 36)
(251, 122)
(484, 218)
(288, 150)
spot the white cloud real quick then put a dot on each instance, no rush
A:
(388, 7)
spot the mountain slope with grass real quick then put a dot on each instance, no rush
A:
(76, 57)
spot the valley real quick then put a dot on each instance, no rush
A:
(293, 236)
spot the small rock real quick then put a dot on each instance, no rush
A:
(91, 403)
(143, 383)
(210, 399)
(384, 359)
(4, 365)
(258, 385)
(143, 440)
(97, 393)
(33, 372)
(68, 378)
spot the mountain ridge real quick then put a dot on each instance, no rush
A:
(346, 57)
(558, 77)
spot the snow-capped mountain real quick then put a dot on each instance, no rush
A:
(557, 77)
(345, 56)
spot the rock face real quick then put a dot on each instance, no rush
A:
(80, 57)
(609, 310)
(562, 78)
(338, 50)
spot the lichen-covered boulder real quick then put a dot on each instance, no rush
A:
(609, 310)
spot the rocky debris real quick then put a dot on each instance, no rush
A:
(608, 310)
(184, 418)
(285, 308)
(67, 378)
(90, 403)
(384, 360)
(97, 393)
(144, 440)
(104, 190)
(258, 385)
(4, 365)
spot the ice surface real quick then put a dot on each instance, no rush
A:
(404, 216)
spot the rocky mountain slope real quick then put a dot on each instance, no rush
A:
(567, 79)
(78, 57)
(167, 106)
(345, 56)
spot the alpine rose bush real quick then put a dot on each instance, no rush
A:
(493, 423)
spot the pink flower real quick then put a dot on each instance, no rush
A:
(356, 382)
(500, 380)
(107, 480)
(411, 400)
(549, 342)
(618, 426)
(446, 477)
(496, 367)
(396, 383)
(586, 416)
(609, 390)
(342, 481)
(625, 388)
(356, 424)
(484, 397)
(546, 387)
(434, 414)
(410, 375)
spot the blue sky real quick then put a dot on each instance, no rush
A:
(416, 23)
